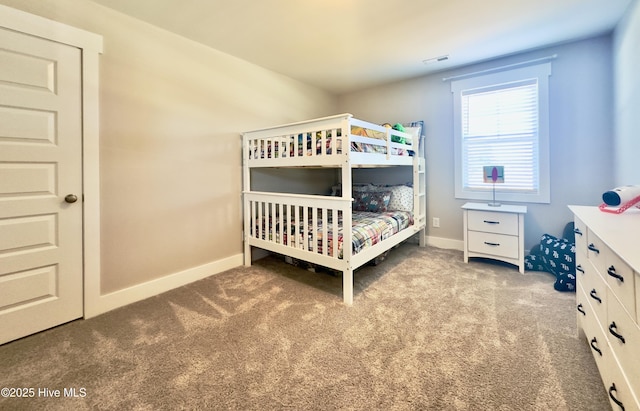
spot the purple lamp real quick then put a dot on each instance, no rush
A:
(494, 174)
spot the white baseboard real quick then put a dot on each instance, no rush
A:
(445, 243)
(120, 298)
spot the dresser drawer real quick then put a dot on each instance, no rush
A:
(493, 222)
(624, 339)
(621, 278)
(584, 311)
(637, 280)
(597, 252)
(619, 389)
(596, 291)
(580, 231)
(598, 344)
(493, 244)
(615, 383)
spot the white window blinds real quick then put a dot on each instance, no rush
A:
(502, 119)
(500, 127)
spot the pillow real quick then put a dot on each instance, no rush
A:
(556, 256)
(401, 195)
(373, 201)
(401, 198)
(366, 187)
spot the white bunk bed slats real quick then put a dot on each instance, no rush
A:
(306, 234)
(298, 225)
(260, 218)
(325, 231)
(325, 142)
(297, 221)
(337, 228)
(296, 146)
(388, 143)
(314, 231)
(284, 239)
(279, 227)
(270, 227)
(282, 146)
(288, 229)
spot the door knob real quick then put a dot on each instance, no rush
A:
(71, 198)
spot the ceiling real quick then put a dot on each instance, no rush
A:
(346, 45)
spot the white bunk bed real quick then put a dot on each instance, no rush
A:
(304, 226)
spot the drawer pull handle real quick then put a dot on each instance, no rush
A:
(491, 222)
(593, 248)
(593, 345)
(613, 327)
(577, 231)
(580, 309)
(579, 268)
(612, 272)
(492, 244)
(612, 389)
(594, 295)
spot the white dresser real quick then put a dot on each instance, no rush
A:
(608, 298)
(494, 232)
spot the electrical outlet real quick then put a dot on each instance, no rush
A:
(436, 221)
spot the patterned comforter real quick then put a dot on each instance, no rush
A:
(367, 229)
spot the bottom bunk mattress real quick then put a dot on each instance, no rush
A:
(367, 229)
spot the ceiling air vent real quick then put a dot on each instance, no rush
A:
(436, 59)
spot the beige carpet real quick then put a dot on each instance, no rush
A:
(426, 332)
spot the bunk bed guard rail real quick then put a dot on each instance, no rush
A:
(326, 142)
(301, 226)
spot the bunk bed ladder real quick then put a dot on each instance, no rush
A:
(419, 189)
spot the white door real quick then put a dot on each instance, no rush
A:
(41, 270)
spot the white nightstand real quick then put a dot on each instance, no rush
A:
(494, 232)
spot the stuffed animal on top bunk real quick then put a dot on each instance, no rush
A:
(556, 256)
(397, 139)
(396, 127)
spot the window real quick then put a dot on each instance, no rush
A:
(502, 119)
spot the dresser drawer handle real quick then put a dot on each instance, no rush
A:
(612, 272)
(581, 309)
(491, 222)
(612, 389)
(577, 231)
(492, 244)
(593, 345)
(613, 327)
(579, 268)
(593, 248)
(594, 295)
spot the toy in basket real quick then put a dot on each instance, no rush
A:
(620, 199)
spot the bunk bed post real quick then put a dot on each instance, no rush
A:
(246, 187)
(347, 286)
(346, 180)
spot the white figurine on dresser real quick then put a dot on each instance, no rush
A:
(608, 298)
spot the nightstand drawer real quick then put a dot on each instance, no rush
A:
(493, 244)
(493, 222)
